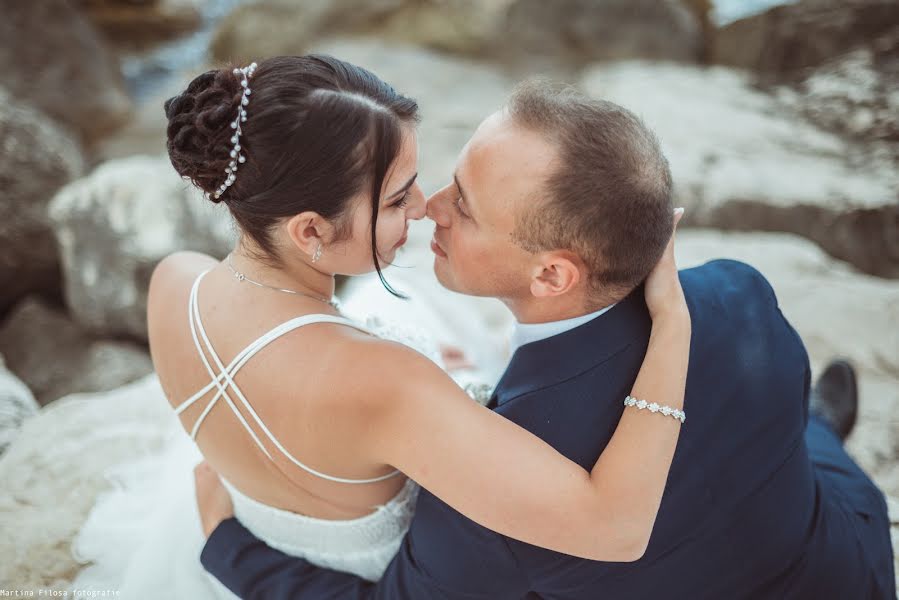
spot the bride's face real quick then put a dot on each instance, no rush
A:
(401, 201)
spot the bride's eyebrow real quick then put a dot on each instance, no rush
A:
(404, 188)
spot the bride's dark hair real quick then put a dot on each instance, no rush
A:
(318, 130)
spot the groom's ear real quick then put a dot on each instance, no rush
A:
(555, 274)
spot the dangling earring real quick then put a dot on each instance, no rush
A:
(317, 254)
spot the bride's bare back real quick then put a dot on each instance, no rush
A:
(294, 384)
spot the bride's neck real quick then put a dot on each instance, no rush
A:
(292, 273)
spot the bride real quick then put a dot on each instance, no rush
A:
(322, 426)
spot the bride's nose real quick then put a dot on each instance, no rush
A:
(418, 204)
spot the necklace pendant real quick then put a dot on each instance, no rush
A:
(241, 277)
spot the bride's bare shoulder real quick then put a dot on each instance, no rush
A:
(178, 267)
(170, 286)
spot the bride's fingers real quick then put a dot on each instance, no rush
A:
(669, 249)
(678, 215)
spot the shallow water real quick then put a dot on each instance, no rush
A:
(727, 11)
(147, 71)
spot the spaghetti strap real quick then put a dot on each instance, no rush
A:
(224, 379)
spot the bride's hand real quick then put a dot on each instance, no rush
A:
(213, 500)
(664, 295)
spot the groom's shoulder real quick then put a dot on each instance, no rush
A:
(726, 276)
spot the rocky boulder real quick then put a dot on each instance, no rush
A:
(743, 160)
(55, 357)
(115, 225)
(274, 27)
(582, 31)
(808, 33)
(566, 31)
(16, 405)
(39, 157)
(130, 24)
(53, 58)
(855, 95)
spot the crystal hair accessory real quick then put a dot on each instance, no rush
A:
(236, 157)
(656, 408)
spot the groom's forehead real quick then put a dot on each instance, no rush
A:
(504, 161)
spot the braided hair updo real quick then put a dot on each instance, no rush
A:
(318, 131)
(199, 134)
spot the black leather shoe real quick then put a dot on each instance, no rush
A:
(835, 397)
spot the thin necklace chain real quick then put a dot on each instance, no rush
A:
(241, 277)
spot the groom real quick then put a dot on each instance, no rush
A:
(761, 502)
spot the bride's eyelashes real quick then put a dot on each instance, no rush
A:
(402, 202)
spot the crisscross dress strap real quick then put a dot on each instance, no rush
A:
(224, 379)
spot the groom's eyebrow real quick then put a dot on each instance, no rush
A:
(404, 188)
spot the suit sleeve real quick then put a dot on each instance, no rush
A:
(254, 571)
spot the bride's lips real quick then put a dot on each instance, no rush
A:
(436, 249)
(403, 240)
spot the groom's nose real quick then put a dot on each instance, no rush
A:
(438, 204)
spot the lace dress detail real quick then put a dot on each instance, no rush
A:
(397, 332)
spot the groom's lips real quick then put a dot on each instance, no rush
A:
(436, 249)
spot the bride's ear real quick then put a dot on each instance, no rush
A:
(307, 231)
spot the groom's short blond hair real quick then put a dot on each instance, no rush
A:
(609, 200)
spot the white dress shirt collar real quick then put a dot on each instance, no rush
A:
(526, 333)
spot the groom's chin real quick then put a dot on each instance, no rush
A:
(443, 274)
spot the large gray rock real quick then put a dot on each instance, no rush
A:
(581, 31)
(130, 24)
(564, 31)
(52, 57)
(788, 38)
(16, 405)
(38, 157)
(743, 160)
(855, 95)
(115, 225)
(56, 357)
(274, 27)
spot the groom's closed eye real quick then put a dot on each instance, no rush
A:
(459, 209)
(460, 204)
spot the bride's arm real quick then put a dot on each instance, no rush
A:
(424, 425)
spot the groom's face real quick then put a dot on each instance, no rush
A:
(500, 172)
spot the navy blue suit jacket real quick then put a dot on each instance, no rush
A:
(744, 514)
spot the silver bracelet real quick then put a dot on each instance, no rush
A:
(656, 408)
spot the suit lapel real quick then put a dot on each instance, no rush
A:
(558, 358)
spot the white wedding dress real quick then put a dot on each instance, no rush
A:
(143, 538)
